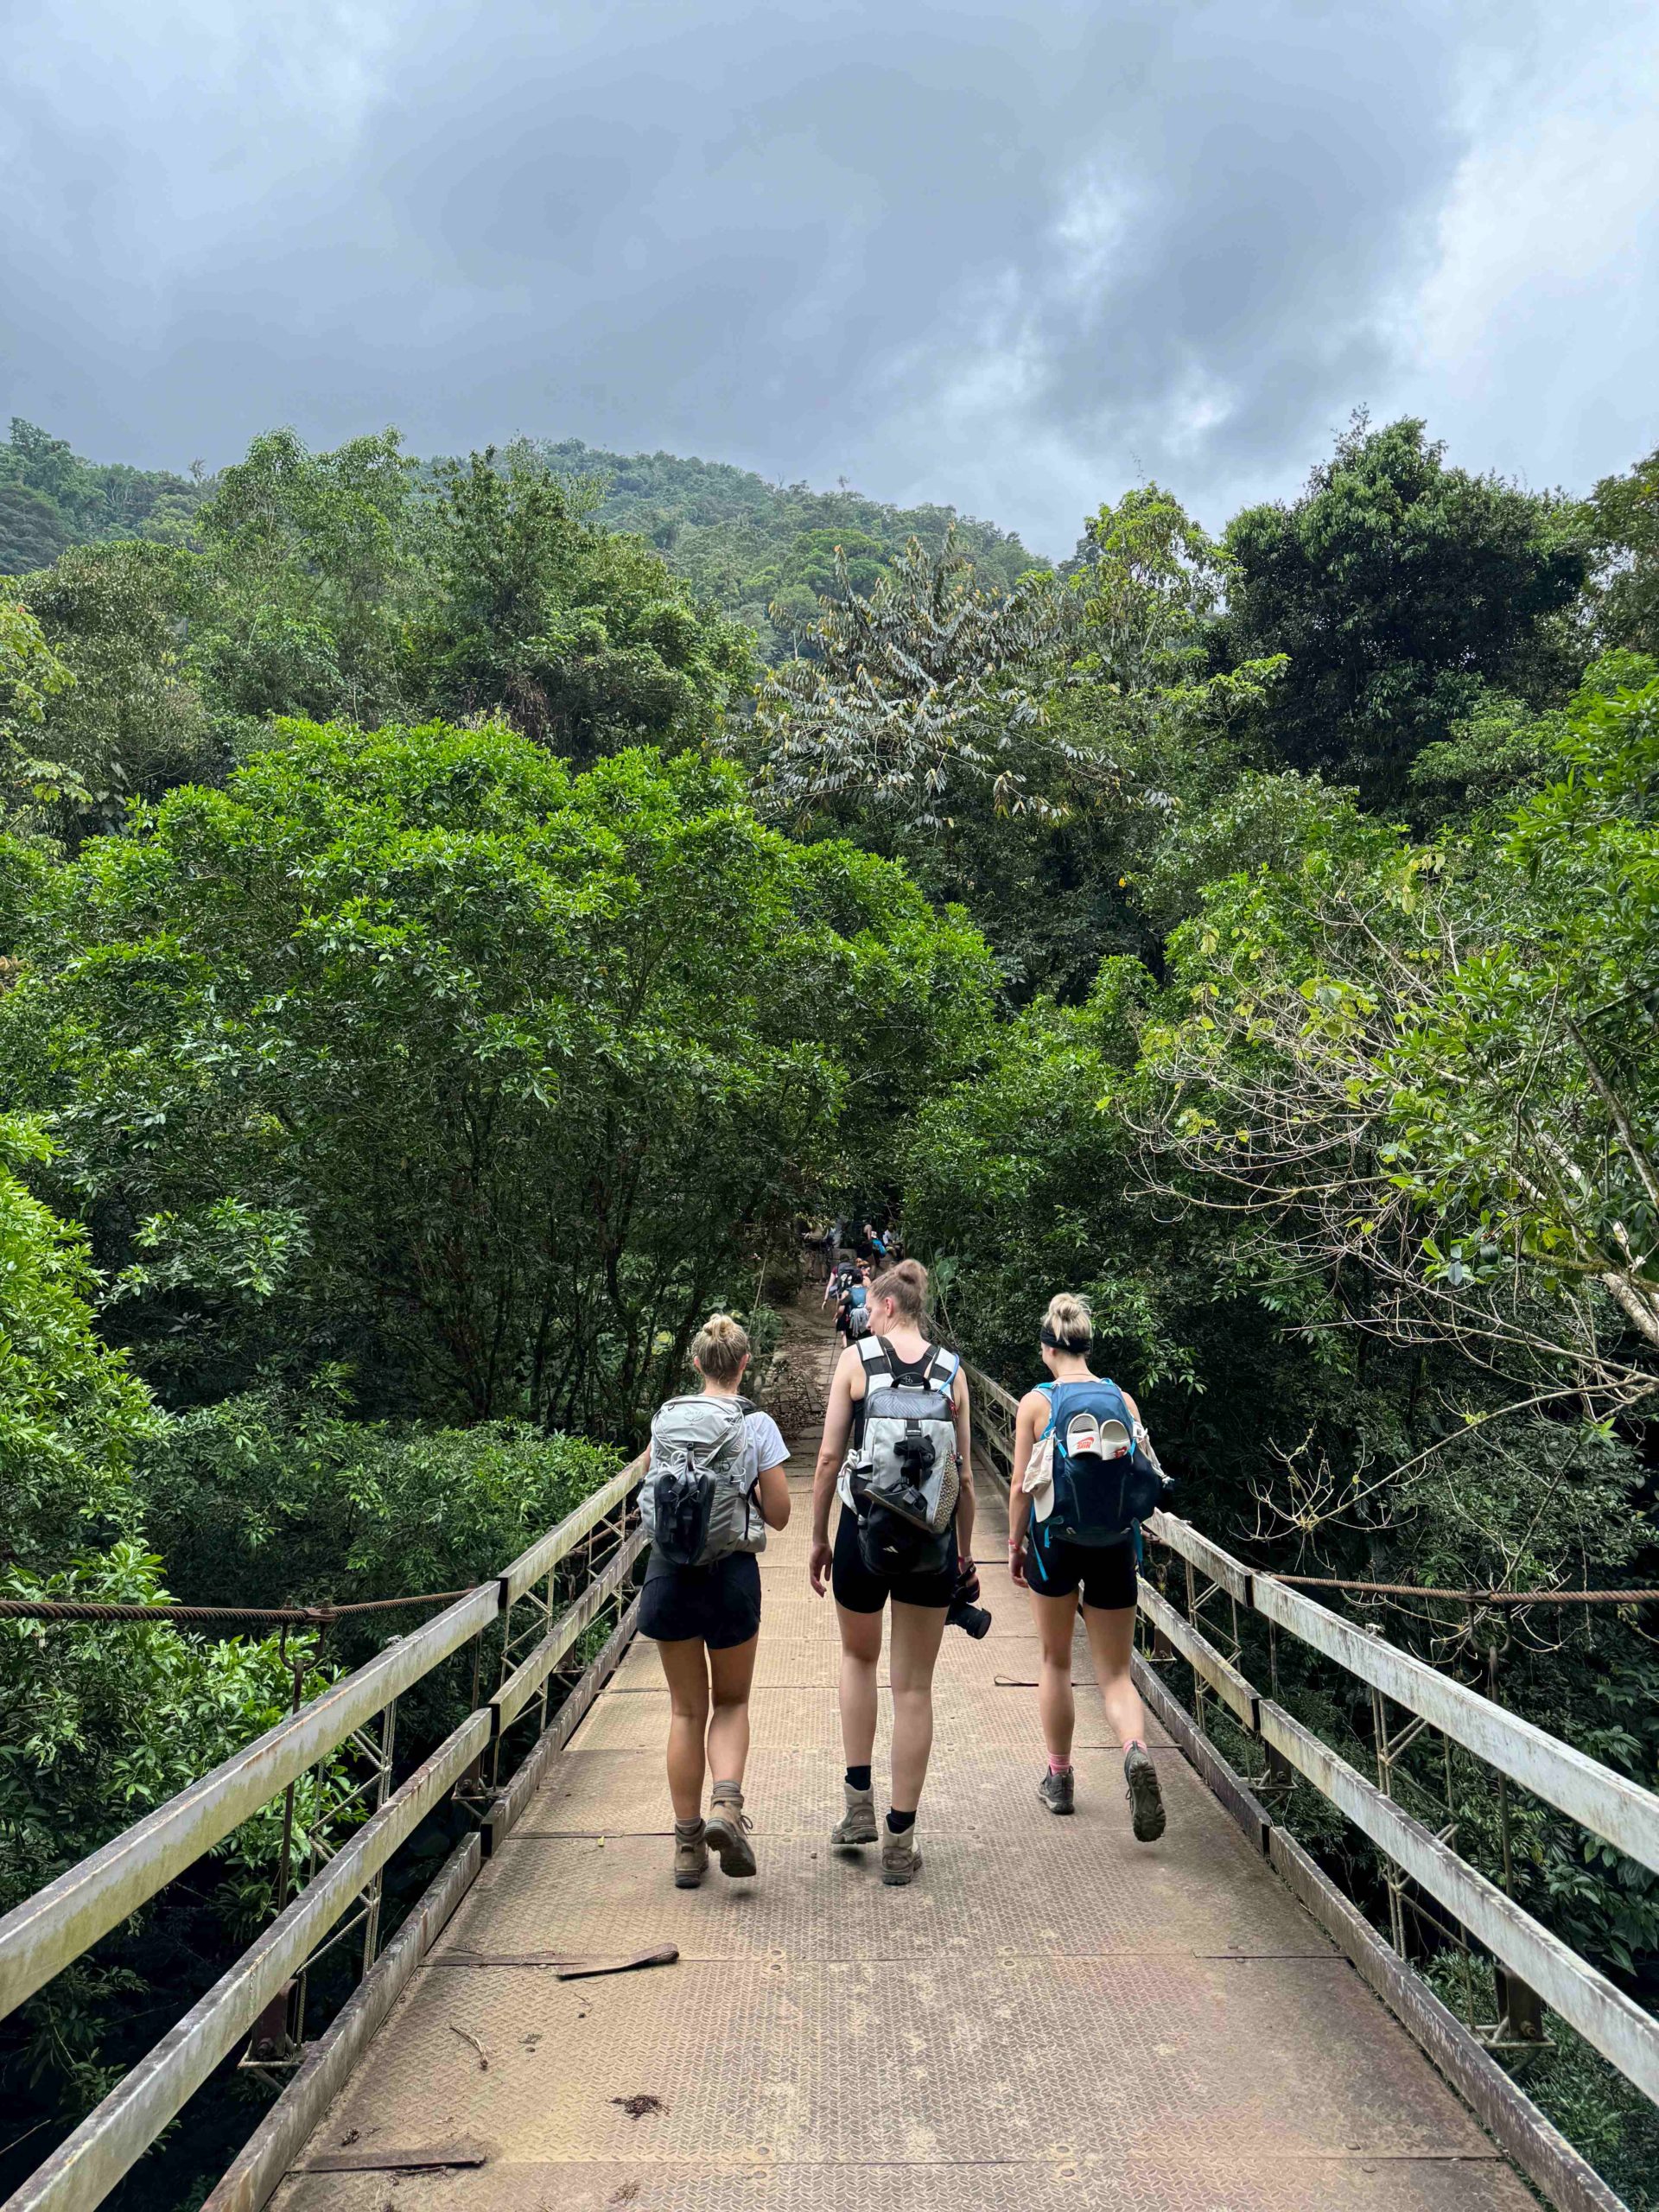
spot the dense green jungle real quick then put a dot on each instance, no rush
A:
(460, 919)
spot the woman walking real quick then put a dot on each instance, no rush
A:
(1058, 1573)
(898, 1427)
(715, 1485)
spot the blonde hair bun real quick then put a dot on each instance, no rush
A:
(1070, 1322)
(719, 1348)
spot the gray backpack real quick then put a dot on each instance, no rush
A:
(906, 1462)
(698, 1498)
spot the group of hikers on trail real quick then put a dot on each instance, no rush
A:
(897, 1456)
(851, 1273)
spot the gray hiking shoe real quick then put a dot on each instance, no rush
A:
(901, 1860)
(1058, 1791)
(727, 1832)
(1146, 1798)
(857, 1824)
(690, 1854)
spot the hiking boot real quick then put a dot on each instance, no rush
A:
(1058, 1791)
(901, 1861)
(690, 1854)
(857, 1824)
(727, 1832)
(1146, 1798)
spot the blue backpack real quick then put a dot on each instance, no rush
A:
(1104, 1482)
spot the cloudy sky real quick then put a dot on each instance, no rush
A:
(1014, 256)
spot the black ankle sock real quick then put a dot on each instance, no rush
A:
(898, 1822)
(858, 1777)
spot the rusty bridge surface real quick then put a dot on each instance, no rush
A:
(1051, 2016)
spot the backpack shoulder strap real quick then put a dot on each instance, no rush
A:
(877, 1355)
(1107, 1384)
(943, 1365)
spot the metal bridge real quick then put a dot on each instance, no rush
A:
(1052, 2016)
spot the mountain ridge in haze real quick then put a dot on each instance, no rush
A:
(762, 552)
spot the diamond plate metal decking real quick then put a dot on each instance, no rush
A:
(1052, 2017)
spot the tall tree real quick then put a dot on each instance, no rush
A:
(313, 557)
(409, 1049)
(1625, 535)
(582, 639)
(1397, 587)
(922, 702)
(133, 722)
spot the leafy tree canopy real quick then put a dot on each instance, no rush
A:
(582, 638)
(411, 1050)
(1623, 513)
(921, 701)
(1396, 585)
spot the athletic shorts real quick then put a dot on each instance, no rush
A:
(1105, 1573)
(720, 1603)
(860, 1592)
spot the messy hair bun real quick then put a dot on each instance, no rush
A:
(906, 1284)
(719, 1348)
(1068, 1326)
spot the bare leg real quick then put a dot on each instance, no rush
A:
(860, 1655)
(1057, 1620)
(917, 1630)
(1111, 1638)
(731, 1672)
(685, 1665)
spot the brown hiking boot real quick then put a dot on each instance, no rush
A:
(857, 1825)
(727, 1831)
(1145, 1797)
(690, 1854)
(901, 1860)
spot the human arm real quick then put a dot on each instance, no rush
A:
(837, 1428)
(1030, 1421)
(772, 1488)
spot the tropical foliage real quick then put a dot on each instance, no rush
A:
(457, 918)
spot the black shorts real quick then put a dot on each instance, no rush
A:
(1105, 1573)
(860, 1592)
(719, 1603)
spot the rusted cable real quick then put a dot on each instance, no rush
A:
(57, 1609)
(1471, 1597)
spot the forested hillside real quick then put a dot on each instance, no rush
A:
(448, 944)
(763, 552)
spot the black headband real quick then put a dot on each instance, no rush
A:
(1065, 1344)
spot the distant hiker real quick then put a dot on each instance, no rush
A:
(843, 1273)
(878, 1243)
(852, 1299)
(714, 1486)
(1075, 1529)
(897, 1452)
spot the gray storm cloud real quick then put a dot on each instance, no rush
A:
(1016, 258)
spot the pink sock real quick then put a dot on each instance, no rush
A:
(1059, 1766)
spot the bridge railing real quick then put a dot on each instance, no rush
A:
(544, 1604)
(1532, 1966)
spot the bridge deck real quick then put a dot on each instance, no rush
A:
(1051, 2016)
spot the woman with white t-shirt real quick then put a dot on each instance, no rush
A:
(705, 1622)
